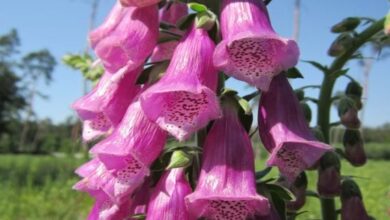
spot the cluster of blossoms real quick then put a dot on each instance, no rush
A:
(135, 119)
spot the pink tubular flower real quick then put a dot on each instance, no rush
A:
(251, 50)
(104, 107)
(127, 153)
(167, 200)
(139, 3)
(226, 187)
(94, 174)
(170, 13)
(127, 37)
(284, 131)
(184, 100)
(105, 209)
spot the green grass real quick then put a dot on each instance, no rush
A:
(374, 182)
(39, 188)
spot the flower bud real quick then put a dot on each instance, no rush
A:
(346, 25)
(300, 94)
(352, 206)
(328, 184)
(306, 111)
(355, 91)
(348, 113)
(298, 188)
(354, 147)
(340, 45)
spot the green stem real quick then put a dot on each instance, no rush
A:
(325, 99)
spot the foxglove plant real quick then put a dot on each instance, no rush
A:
(138, 108)
(127, 37)
(226, 186)
(284, 131)
(103, 108)
(167, 199)
(251, 50)
(184, 100)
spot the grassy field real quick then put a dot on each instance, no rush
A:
(374, 182)
(39, 188)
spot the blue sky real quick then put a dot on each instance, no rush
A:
(61, 26)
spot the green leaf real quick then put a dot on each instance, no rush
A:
(346, 25)
(293, 73)
(280, 205)
(245, 106)
(317, 65)
(281, 192)
(197, 7)
(312, 194)
(263, 173)
(180, 159)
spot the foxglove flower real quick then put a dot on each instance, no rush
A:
(94, 174)
(284, 131)
(184, 100)
(170, 14)
(354, 147)
(226, 187)
(103, 108)
(352, 206)
(127, 153)
(139, 3)
(167, 200)
(127, 37)
(251, 50)
(329, 177)
(105, 209)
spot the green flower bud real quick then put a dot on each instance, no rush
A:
(340, 45)
(346, 25)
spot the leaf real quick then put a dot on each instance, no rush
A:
(293, 73)
(279, 205)
(197, 7)
(246, 107)
(281, 192)
(317, 65)
(340, 72)
(312, 194)
(263, 173)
